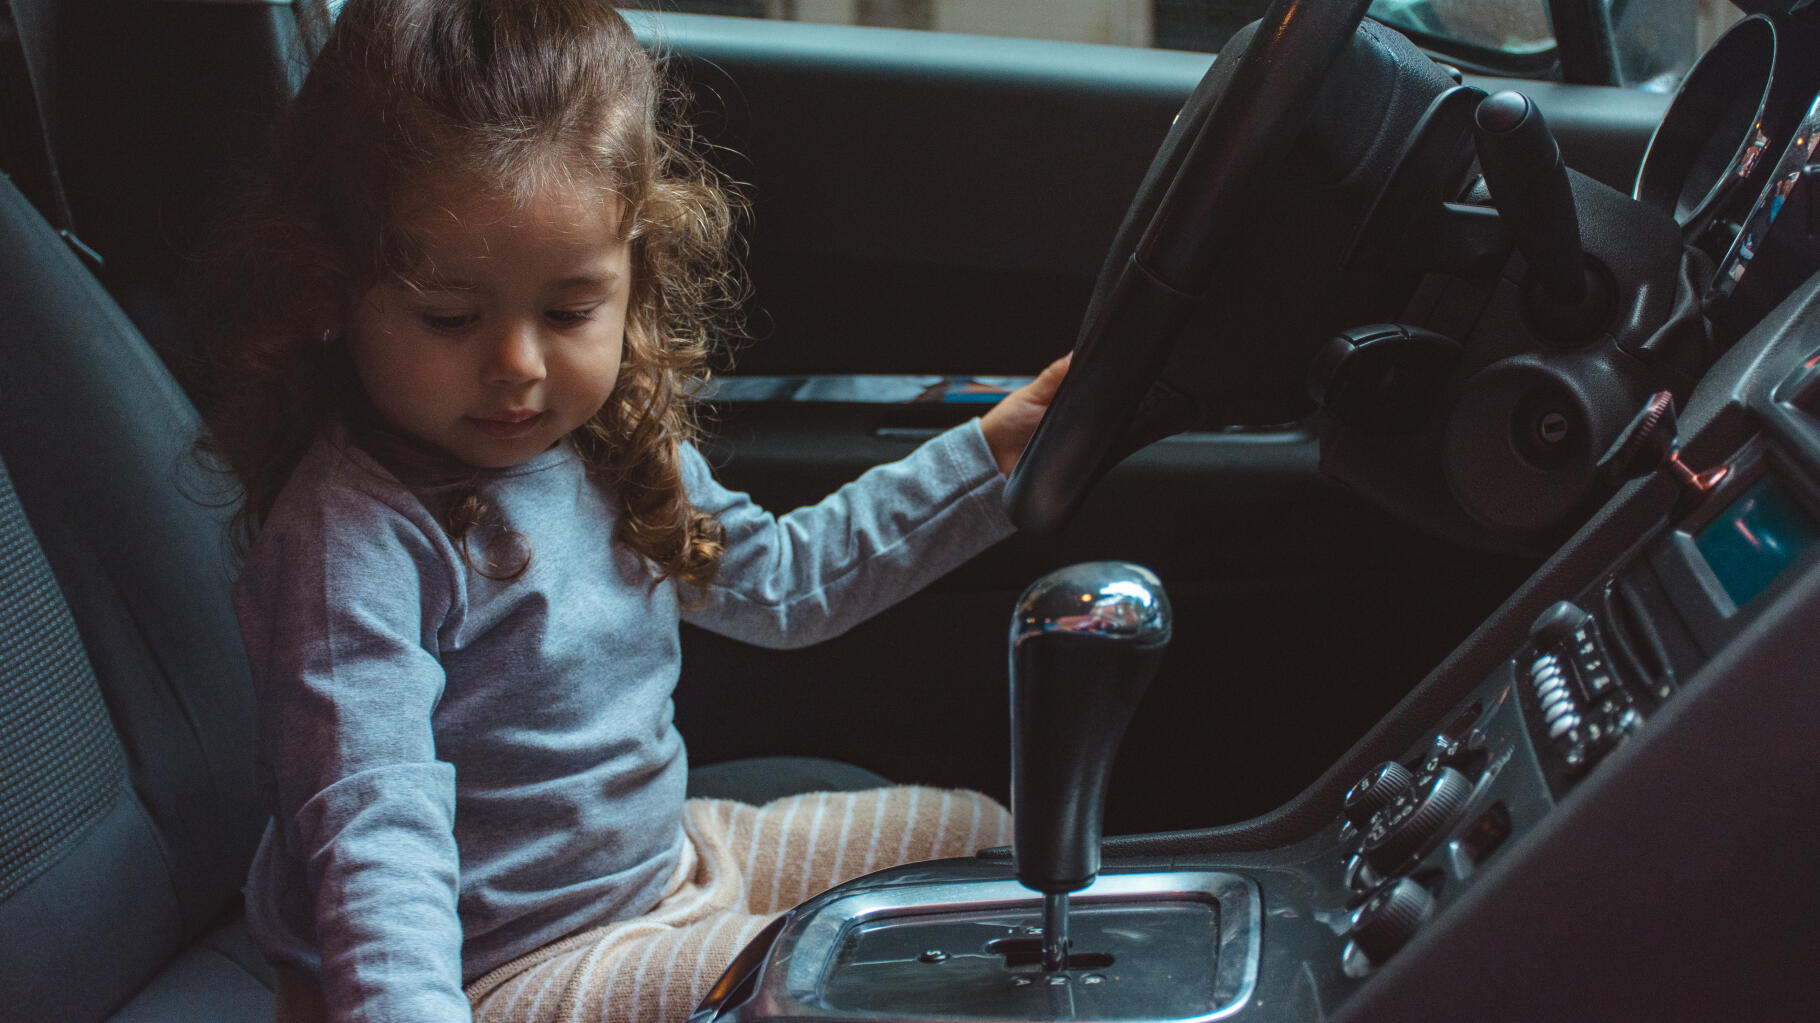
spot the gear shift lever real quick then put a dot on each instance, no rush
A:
(1085, 642)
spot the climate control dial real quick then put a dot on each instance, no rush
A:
(1400, 829)
(1390, 918)
(1377, 790)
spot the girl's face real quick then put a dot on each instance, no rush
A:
(515, 336)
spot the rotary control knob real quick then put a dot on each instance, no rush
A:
(1387, 920)
(1414, 817)
(1644, 444)
(1649, 442)
(1380, 786)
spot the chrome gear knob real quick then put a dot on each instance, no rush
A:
(1085, 642)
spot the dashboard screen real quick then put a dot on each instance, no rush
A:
(1751, 542)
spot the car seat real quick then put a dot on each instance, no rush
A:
(127, 809)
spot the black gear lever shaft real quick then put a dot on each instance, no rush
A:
(1528, 184)
(1085, 642)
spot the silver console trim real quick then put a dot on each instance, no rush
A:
(801, 955)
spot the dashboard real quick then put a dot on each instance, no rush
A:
(1614, 807)
(1599, 806)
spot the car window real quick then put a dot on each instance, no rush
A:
(1202, 25)
(1655, 41)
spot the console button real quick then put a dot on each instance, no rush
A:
(1358, 876)
(1466, 753)
(1598, 683)
(1403, 827)
(1390, 918)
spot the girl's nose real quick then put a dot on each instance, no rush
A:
(516, 357)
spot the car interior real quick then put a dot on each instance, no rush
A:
(1415, 574)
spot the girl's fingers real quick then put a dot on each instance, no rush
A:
(1043, 388)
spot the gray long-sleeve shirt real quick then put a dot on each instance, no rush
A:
(462, 770)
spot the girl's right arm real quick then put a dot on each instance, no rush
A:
(338, 606)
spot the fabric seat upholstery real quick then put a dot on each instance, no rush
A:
(93, 431)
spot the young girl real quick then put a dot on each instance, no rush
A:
(453, 377)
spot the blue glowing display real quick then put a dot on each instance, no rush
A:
(1751, 542)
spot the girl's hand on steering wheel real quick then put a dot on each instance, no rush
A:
(1010, 423)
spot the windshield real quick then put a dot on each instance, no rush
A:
(1507, 26)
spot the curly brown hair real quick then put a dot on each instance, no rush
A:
(525, 95)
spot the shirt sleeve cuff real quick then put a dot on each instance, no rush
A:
(974, 463)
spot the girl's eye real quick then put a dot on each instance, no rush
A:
(570, 317)
(450, 322)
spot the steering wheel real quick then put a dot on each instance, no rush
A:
(1233, 132)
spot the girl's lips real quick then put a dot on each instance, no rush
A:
(507, 426)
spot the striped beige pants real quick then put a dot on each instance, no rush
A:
(741, 866)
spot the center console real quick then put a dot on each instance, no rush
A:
(1601, 806)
